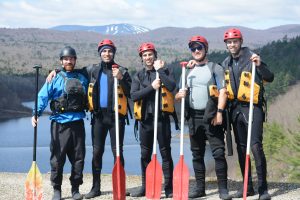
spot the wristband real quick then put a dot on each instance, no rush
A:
(220, 110)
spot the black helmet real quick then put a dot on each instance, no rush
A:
(67, 51)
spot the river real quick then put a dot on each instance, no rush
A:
(17, 140)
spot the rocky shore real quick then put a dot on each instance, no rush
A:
(12, 187)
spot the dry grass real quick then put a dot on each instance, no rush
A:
(285, 110)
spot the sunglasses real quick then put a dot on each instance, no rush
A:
(199, 48)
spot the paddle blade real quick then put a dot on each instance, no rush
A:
(181, 180)
(153, 179)
(119, 180)
(33, 184)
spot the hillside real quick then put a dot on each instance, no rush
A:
(20, 49)
(285, 110)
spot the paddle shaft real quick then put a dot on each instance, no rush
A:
(155, 117)
(182, 110)
(116, 116)
(249, 132)
(37, 67)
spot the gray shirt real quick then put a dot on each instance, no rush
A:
(197, 81)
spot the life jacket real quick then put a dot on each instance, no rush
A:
(122, 101)
(167, 102)
(167, 105)
(244, 86)
(137, 109)
(213, 94)
(212, 88)
(73, 98)
(95, 72)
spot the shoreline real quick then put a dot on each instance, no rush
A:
(12, 187)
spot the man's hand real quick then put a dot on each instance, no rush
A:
(191, 64)
(34, 121)
(117, 73)
(256, 59)
(158, 64)
(51, 76)
(181, 94)
(217, 120)
(156, 84)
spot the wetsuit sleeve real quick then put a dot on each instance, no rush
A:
(126, 82)
(137, 92)
(265, 73)
(167, 78)
(219, 76)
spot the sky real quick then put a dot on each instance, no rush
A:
(152, 14)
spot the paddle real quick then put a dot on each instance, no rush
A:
(249, 133)
(118, 173)
(33, 183)
(181, 171)
(154, 170)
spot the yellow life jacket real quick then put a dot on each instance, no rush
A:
(137, 109)
(245, 88)
(90, 97)
(167, 103)
(167, 100)
(230, 94)
(213, 91)
(122, 101)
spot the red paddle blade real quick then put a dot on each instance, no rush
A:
(119, 180)
(33, 184)
(181, 180)
(153, 179)
(246, 177)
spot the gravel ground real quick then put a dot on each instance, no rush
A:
(12, 187)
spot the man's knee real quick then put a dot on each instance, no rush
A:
(145, 152)
(218, 153)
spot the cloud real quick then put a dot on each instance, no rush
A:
(151, 14)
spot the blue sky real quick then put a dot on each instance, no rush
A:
(259, 14)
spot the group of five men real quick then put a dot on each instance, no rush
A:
(210, 89)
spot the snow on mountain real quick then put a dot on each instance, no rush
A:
(111, 29)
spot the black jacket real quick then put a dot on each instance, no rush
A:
(142, 89)
(94, 71)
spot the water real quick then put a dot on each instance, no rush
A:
(17, 140)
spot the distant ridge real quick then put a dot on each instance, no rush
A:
(23, 47)
(111, 29)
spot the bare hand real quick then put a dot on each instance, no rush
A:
(181, 94)
(156, 84)
(191, 64)
(117, 73)
(256, 59)
(158, 64)
(51, 76)
(34, 121)
(217, 120)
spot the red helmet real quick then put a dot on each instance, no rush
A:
(232, 33)
(198, 38)
(106, 42)
(147, 46)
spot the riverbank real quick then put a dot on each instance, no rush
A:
(12, 187)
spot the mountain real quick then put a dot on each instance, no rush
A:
(21, 48)
(111, 29)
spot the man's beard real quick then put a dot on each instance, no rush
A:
(69, 67)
